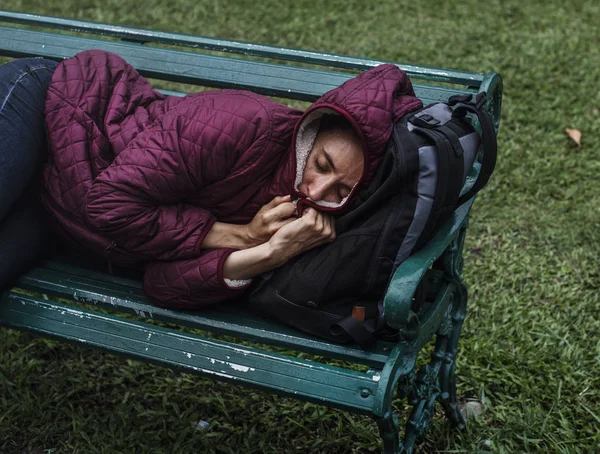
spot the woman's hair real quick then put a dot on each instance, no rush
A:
(330, 122)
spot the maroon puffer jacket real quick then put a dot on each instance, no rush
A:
(140, 178)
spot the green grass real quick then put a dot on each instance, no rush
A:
(530, 348)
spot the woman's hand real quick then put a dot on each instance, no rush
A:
(266, 222)
(294, 237)
(269, 219)
(313, 229)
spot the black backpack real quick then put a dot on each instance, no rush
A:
(420, 182)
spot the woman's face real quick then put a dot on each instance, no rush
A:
(334, 166)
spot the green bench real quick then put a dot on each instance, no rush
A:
(388, 369)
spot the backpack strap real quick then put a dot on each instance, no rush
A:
(488, 139)
(450, 170)
(363, 333)
(366, 333)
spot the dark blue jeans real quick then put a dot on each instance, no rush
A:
(24, 232)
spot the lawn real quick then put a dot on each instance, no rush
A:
(530, 349)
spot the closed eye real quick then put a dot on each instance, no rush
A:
(320, 168)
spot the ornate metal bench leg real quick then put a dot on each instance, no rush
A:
(388, 429)
(453, 263)
(422, 390)
(448, 397)
(436, 381)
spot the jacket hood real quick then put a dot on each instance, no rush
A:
(372, 103)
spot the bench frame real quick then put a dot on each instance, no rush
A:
(392, 368)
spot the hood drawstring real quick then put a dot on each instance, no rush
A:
(108, 250)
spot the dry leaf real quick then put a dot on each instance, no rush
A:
(471, 408)
(575, 135)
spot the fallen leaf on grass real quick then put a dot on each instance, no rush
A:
(575, 135)
(471, 408)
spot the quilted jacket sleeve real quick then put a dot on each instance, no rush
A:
(190, 284)
(139, 201)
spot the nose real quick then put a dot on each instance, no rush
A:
(318, 190)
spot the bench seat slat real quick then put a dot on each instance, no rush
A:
(318, 58)
(221, 360)
(220, 72)
(125, 295)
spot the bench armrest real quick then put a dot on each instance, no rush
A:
(398, 298)
(492, 85)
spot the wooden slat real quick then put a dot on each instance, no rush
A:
(188, 67)
(220, 360)
(317, 58)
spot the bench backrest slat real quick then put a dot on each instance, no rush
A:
(467, 79)
(287, 81)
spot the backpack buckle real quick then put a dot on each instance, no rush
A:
(424, 121)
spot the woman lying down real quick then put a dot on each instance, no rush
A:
(203, 192)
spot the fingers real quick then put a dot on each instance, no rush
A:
(279, 216)
(282, 211)
(310, 215)
(276, 226)
(277, 201)
(314, 223)
(322, 224)
(330, 230)
(294, 228)
(297, 235)
(326, 227)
